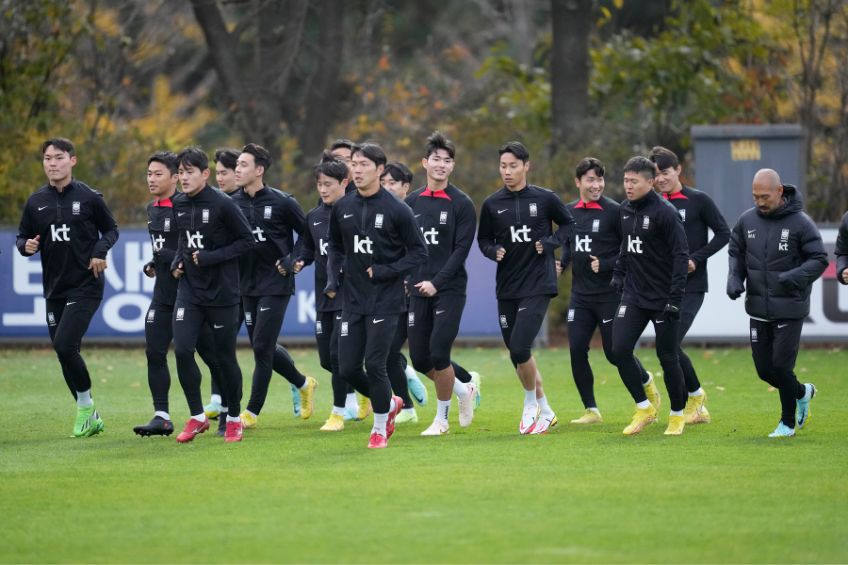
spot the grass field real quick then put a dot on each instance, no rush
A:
(722, 492)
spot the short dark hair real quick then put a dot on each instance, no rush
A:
(193, 156)
(261, 156)
(167, 158)
(398, 171)
(227, 156)
(342, 142)
(370, 151)
(664, 158)
(641, 165)
(332, 167)
(60, 143)
(587, 164)
(517, 149)
(438, 141)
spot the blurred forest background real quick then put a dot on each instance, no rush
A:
(570, 78)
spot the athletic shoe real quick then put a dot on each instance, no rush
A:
(407, 417)
(351, 413)
(191, 429)
(782, 430)
(437, 428)
(364, 408)
(802, 405)
(416, 388)
(641, 418)
(307, 398)
(295, 401)
(652, 392)
(477, 379)
(222, 424)
(466, 406)
(212, 410)
(234, 432)
(335, 423)
(377, 441)
(158, 426)
(675, 425)
(696, 412)
(544, 424)
(88, 422)
(248, 420)
(529, 417)
(390, 423)
(589, 417)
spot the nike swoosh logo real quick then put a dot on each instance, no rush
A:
(217, 327)
(69, 303)
(263, 309)
(346, 216)
(520, 309)
(660, 321)
(439, 312)
(40, 208)
(624, 217)
(181, 213)
(316, 223)
(149, 222)
(781, 326)
(375, 321)
(501, 211)
(607, 321)
(417, 215)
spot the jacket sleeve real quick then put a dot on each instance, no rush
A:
(842, 249)
(721, 233)
(676, 236)
(106, 225)
(179, 254)
(296, 220)
(304, 250)
(486, 235)
(738, 263)
(25, 231)
(564, 236)
(335, 254)
(242, 241)
(416, 248)
(466, 226)
(608, 262)
(813, 255)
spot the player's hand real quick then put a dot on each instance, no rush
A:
(558, 265)
(692, 266)
(195, 258)
(540, 249)
(31, 245)
(671, 311)
(595, 263)
(500, 254)
(96, 266)
(331, 294)
(426, 288)
(149, 270)
(179, 271)
(298, 265)
(845, 276)
(281, 268)
(370, 271)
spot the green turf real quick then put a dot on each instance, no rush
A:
(723, 492)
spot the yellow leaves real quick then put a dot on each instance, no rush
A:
(106, 22)
(172, 118)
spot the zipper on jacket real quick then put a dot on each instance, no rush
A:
(517, 207)
(363, 217)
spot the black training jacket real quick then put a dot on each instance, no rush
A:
(775, 259)
(516, 221)
(210, 222)
(654, 255)
(842, 248)
(314, 247)
(597, 232)
(448, 222)
(75, 225)
(699, 212)
(274, 217)
(380, 232)
(164, 235)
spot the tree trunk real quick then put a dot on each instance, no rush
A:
(572, 23)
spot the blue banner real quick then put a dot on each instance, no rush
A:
(128, 293)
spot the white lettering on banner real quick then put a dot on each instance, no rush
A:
(135, 258)
(306, 306)
(114, 307)
(23, 269)
(27, 319)
(113, 278)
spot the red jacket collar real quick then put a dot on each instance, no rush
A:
(675, 196)
(436, 194)
(165, 203)
(589, 206)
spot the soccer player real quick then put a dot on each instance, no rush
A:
(698, 213)
(376, 236)
(776, 253)
(267, 277)
(651, 273)
(70, 225)
(158, 328)
(842, 251)
(213, 234)
(448, 221)
(342, 149)
(331, 178)
(513, 223)
(591, 246)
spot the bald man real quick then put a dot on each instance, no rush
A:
(776, 253)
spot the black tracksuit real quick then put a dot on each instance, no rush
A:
(377, 232)
(775, 259)
(842, 249)
(74, 226)
(211, 225)
(525, 280)
(274, 217)
(699, 214)
(652, 270)
(448, 222)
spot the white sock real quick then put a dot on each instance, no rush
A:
(650, 379)
(338, 411)
(233, 419)
(215, 399)
(596, 411)
(699, 392)
(251, 413)
(84, 399)
(543, 405)
(305, 384)
(676, 413)
(459, 388)
(409, 372)
(442, 410)
(642, 405)
(392, 405)
(224, 409)
(163, 415)
(199, 417)
(530, 397)
(351, 402)
(808, 391)
(380, 424)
